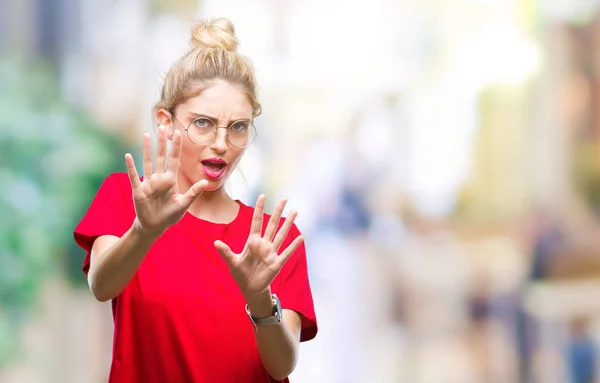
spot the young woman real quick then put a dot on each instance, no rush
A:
(204, 288)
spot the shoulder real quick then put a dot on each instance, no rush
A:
(118, 181)
(115, 191)
(120, 178)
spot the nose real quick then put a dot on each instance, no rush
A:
(219, 144)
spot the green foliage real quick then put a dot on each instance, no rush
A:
(586, 172)
(53, 159)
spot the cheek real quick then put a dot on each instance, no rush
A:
(188, 155)
(186, 151)
(236, 157)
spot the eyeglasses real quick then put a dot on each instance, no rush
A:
(203, 131)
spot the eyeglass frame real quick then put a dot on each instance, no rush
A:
(217, 127)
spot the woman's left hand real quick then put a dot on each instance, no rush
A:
(259, 263)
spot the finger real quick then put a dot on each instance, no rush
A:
(147, 155)
(225, 252)
(257, 217)
(285, 229)
(134, 178)
(289, 251)
(274, 220)
(194, 192)
(161, 150)
(174, 152)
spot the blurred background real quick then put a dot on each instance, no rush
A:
(444, 157)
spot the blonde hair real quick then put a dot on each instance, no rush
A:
(213, 55)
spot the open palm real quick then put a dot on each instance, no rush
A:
(259, 263)
(158, 203)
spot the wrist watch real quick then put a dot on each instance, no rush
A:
(273, 320)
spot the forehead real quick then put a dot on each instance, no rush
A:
(221, 100)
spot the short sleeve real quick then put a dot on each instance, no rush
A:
(110, 213)
(294, 290)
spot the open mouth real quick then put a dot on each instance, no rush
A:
(214, 167)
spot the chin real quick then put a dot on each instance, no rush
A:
(214, 185)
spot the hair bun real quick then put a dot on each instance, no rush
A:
(216, 33)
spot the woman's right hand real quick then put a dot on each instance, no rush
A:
(158, 203)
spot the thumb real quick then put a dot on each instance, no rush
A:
(225, 251)
(195, 191)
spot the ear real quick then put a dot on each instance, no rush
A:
(165, 119)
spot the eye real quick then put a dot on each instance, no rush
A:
(240, 126)
(203, 123)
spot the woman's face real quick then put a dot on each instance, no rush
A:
(220, 104)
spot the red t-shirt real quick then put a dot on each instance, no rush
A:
(182, 317)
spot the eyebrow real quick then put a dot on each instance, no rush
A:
(197, 115)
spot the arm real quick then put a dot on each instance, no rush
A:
(158, 205)
(114, 261)
(278, 346)
(254, 269)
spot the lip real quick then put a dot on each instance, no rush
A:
(215, 160)
(210, 173)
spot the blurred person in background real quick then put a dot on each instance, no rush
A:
(204, 288)
(582, 352)
(547, 237)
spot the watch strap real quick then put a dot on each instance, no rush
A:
(273, 320)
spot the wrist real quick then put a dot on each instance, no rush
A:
(260, 305)
(144, 233)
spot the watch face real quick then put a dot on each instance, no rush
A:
(277, 309)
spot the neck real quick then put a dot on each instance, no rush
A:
(213, 199)
(214, 206)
